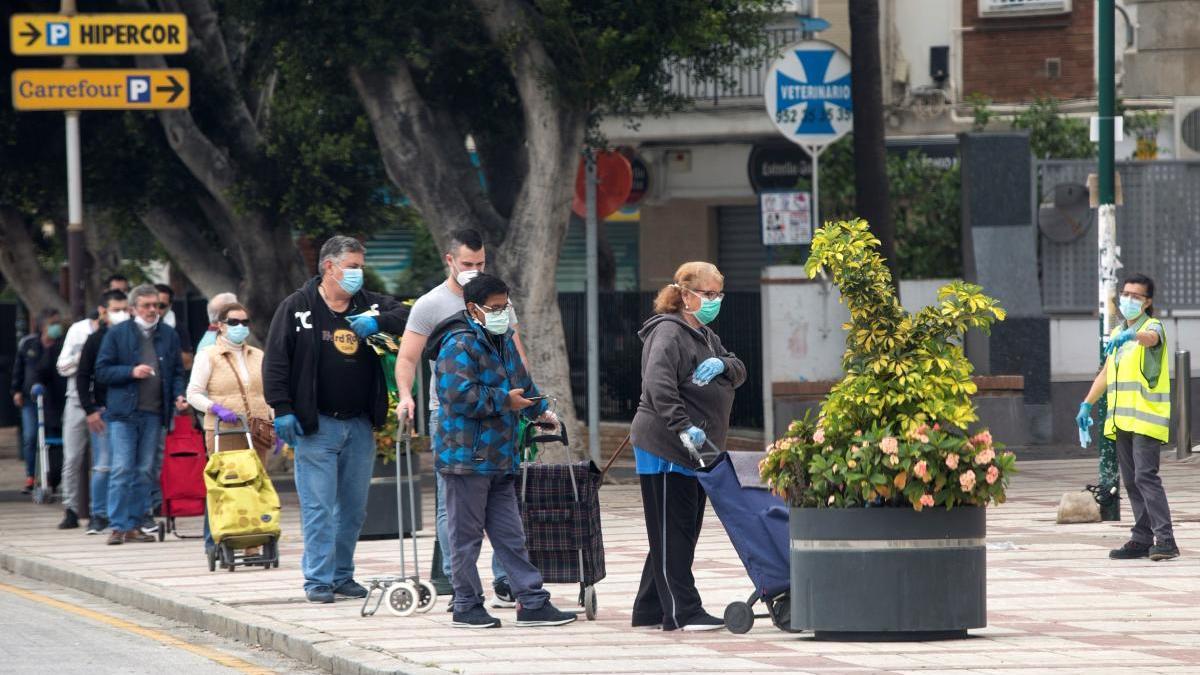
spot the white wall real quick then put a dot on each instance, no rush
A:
(1074, 352)
(716, 171)
(921, 24)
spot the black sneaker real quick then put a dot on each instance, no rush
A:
(149, 525)
(97, 525)
(476, 617)
(546, 615)
(319, 595)
(502, 596)
(1165, 549)
(350, 589)
(1132, 550)
(70, 521)
(701, 622)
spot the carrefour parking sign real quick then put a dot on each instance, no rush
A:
(808, 93)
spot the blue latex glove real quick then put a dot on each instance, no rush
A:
(1119, 340)
(363, 326)
(288, 428)
(1083, 420)
(37, 390)
(706, 371)
(695, 437)
(224, 414)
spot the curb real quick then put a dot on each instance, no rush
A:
(336, 655)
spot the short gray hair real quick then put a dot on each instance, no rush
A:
(217, 303)
(337, 246)
(141, 291)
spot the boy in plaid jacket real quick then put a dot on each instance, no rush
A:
(482, 386)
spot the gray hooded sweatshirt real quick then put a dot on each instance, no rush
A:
(670, 402)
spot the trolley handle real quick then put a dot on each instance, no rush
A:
(243, 428)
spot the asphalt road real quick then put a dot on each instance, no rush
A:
(46, 628)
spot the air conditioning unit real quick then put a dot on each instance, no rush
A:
(994, 9)
(1187, 127)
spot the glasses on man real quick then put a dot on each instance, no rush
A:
(237, 322)
(162, 305)
(492, 310)
(1133, 296)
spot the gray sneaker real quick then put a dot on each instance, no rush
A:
(1165, 549)
(546, 615)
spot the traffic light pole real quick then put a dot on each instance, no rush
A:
(1110, 504)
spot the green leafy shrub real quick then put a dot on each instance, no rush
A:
(892, 431)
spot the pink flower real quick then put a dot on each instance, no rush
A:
(923, 438)
(952, 461)
(966, 480)
(985, 456)
(937, 427)
(921, 470)
(926, 500)
(819, 435)
(983, 438)
(993, 474)
(889, 445)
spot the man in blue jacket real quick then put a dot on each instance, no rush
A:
(140, 363)
(482, 386)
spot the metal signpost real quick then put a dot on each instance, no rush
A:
(72, 89)
(808, 99)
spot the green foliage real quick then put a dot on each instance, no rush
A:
(425, 269)
(926, 208)
(981, 110)
(1053, 135)
(905, 374)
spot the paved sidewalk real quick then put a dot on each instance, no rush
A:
(1056, 602)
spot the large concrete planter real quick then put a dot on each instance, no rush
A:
(888, 573)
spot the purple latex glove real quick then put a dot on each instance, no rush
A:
(278, 445)
(224, 414)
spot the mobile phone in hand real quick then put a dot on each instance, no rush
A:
(535, 399)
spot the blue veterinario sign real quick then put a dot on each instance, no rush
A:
(808, 93)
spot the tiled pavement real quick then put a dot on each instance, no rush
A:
(1056, 602)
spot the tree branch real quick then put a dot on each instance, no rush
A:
(202, 262)
(424, 154)
(19, 265)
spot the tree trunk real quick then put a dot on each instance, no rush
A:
(870, 153)
(19, 265)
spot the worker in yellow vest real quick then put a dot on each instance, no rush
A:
(1137, 386)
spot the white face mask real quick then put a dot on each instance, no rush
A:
(115, 318)
(463, 277)
(144, 324)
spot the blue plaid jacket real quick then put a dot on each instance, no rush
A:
(476, 431)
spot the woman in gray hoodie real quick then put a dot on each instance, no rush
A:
(688, 379)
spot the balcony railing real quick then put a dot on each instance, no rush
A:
(742, 83)
(1002, 8)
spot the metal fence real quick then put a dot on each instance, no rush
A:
(737, 82)
(1158, 230)
(739, 326)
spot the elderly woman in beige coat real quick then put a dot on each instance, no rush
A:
(226, 384)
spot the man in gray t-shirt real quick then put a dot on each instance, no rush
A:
(465, 259)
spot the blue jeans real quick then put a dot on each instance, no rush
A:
(29, 428)
(477, 504)
(442, 523)
(133, 441)
(101, 463)
(333, 474)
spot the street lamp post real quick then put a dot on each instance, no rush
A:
(1110, 504)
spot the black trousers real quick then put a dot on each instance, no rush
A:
(674, 507)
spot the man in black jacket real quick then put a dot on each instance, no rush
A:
(91, 399)
(328, 391)
(27, 373)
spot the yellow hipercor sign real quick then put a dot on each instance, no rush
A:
(117, 89)
(84, 34)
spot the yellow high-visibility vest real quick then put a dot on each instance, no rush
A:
(1133, 404)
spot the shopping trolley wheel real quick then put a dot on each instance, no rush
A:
(402, 598)
(589, 603)
(212, 559)
(228, 560)
(426, 595)
(162, 530)
(739, 617)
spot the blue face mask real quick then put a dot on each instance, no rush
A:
(352, 280)
(1130, 308)
(237, 334)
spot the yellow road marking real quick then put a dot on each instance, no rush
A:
(130, 627)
